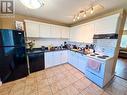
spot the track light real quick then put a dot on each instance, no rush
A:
(84, 13)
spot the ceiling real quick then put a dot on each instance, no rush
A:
(64, 10)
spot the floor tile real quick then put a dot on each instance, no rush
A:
(52, 80)
(45, 91)
(55, 88)
(86, 81)
(70, 90)
(79, 75)
(42, 83)
(79, 85)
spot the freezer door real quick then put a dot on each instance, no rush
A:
(19, 38)
(6, 37)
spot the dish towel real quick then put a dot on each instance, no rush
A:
(94, 65)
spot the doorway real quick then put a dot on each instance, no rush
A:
(121, 66)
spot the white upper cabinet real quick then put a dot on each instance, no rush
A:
(45, 30)
(65, 32)
(86, 33)
(74, 33)
(106, 25)
(82, 33)
(32, 29)
(55, 31)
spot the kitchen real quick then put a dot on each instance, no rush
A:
(63, 59)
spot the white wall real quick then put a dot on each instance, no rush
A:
(46, 42)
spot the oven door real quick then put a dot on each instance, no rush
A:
(99, 73)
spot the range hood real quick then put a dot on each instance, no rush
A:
(105, 36)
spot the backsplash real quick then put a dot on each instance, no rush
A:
(78, 44)
(106, 46)
(46, 42)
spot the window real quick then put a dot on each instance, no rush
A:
(124, 41)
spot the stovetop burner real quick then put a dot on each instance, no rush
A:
(99, 55)
(105, 56)
(102, 57)
(92, 54)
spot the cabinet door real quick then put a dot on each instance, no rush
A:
(55, 31)
(45, 30)
(56, 58)
(71, 57)
(74, 59)
(86, 33)
(48, 59)
(106, 25)
(64, 56)
(74, 33)
(65, 32)
(32, 29)
(82, 62)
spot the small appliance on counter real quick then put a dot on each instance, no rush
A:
(92, 47)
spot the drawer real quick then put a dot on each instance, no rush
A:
(98, 81)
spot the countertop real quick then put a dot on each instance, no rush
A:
(81, 52)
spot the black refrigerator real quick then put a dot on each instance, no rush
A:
(13, 64)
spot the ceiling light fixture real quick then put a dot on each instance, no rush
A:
(32, 4)
(83, 13)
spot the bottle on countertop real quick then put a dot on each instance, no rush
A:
(92, 48)
(65, 45)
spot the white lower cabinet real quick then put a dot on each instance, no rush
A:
(48, 59)
(82, 61)
(64, 56)
(78, 60)
(55, 58)
(72, 58)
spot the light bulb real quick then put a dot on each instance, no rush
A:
(78, 17)
(92, 10)
(84, 14)
(74, 19)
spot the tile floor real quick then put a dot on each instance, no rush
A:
(61, 80)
